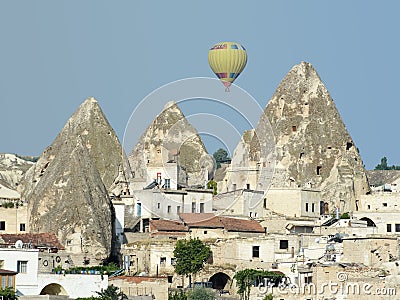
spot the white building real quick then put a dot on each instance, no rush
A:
(25, 262)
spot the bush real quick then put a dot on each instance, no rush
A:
(345, 216)
(8, 294)
(201, 294)
(177, 296)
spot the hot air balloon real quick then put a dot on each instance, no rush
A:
(227, 60)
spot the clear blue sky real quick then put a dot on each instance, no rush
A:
(55, 54)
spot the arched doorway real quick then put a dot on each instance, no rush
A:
(370, 223)
(219, 280)
(53, 289)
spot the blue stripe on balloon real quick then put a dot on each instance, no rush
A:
(234, 47)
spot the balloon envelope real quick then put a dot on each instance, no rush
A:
(227, 60)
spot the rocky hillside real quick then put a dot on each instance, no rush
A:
(380, 177)
(171, 137)
(12, 169)
(67, 189)
(313, 146)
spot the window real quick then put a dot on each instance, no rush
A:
(234, 186)
(283, 244)
(3, 281)
(294, 128)
(178, 209)
(10, 281)
(319, 170)
(22, 266)
(173, 261)
(312, 207)
(256, 251)
(306, 206)
(2, 225)
(163, 261)
(167, 184)
(397, 227)
(247, 186)
(388, 227)
(368, 206)
(169, 209)
(384, 204)
(265, 202)
(158, 205)
(205, 231)
(22, 227)
(193, 207)
(202, 207)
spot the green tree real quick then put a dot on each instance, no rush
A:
(247, 278)
(8, 293)
(111, 293)
(384, 165)
(212, 185)
(201, 293)
(220, 155)
(190, 257)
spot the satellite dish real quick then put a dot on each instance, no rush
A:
(19, 244)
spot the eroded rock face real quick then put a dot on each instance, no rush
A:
(313, 146)
(66, 189)
(170, 137)
(13, 168)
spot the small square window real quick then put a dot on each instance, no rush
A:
(2, 225)
(306, 206)
(201, 207)
(169, 209)
(22, 227)
(384, 204)
(283, 244)
(397, 227)
(178, 209)
(388, 227)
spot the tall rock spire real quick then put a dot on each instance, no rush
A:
(67, 189)
(313, 146)
(170, 137)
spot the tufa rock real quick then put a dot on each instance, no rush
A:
(67, 189)
(313, 146)
(170, 137)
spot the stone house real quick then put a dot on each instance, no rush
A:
(372, 251)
